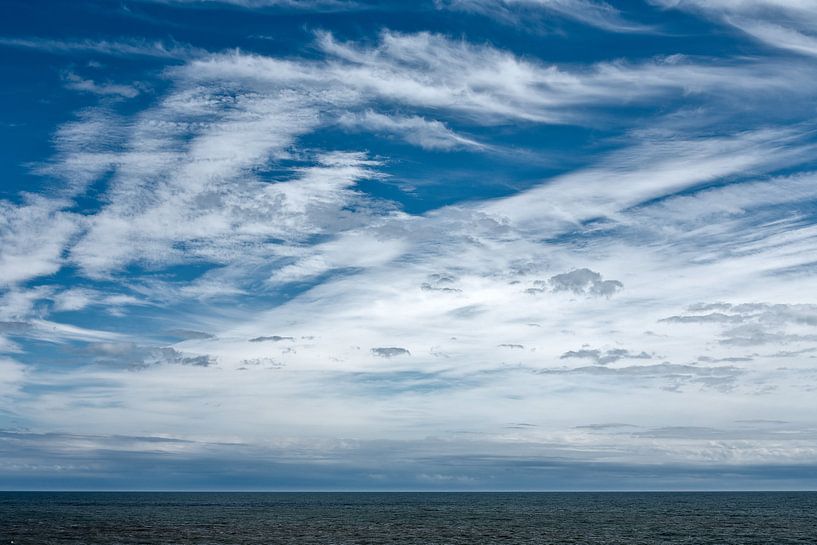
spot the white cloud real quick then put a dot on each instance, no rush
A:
(783, 24)
(117, 48)
(33, 237)
(190, 183)
(430, 135)
(315, 5)
(77, 83)
(183, 187)
(594, 13)
(648, 170)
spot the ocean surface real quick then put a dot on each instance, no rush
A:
(774, 518)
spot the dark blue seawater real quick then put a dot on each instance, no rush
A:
(418, 518)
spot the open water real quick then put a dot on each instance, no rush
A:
(774, 518)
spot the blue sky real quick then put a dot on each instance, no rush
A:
(456, 244)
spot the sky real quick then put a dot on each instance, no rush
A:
(431, 245)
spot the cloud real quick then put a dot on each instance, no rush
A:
(169, 193)
(118, 48)
(231, 203)
(273, 338)
(308, 5)
(32, 238)
(783, 25)
(756, 323)
(584, 282)
(77, 83)
(390, 351)
(603, 357)
(12, 378)
(670, 374)
(430, 135)
(674, 165)
(716, 317)
(130, 355)
(75, 299)
(596, 14)
(190, 334)
(490, 85)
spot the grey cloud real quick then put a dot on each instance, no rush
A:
(704, 307)
(756, 334)
(73, 461)
(584, 282)
(754, 323)
(18, 328)
(267, 363)
(791, 353)
(714, 317)
(603, 357)
(425, 286)
(136, 356)
(606, 426)
(390, 351)
(510, 345)
(440, 282)
(468, 311)
(190, 334)
(272, 338)
(772, 314)
(170, 355)
(721, 377)
(734, 359)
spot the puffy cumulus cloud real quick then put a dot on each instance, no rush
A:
(584, 282)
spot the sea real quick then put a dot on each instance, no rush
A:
(722, 518)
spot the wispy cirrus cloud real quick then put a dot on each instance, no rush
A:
(597, 14)
(308, 5)
(779, 24)
(193, 143)
(431, 135)
(115, 47)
